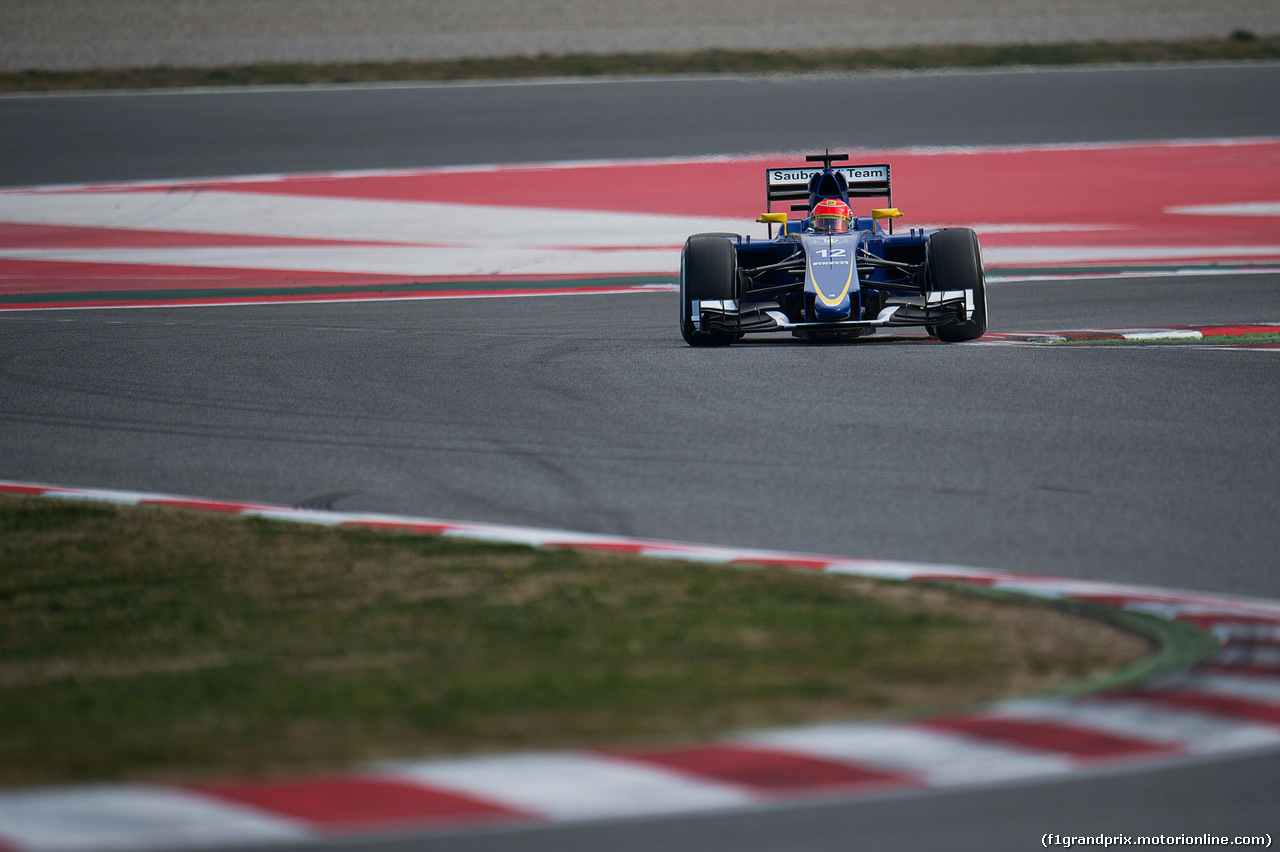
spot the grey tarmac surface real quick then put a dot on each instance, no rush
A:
(1145, 465)
(174, 134)
(1148, 465)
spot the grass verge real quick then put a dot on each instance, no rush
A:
(1241, 45)
(146, 642)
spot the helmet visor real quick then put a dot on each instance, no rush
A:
(830, 223)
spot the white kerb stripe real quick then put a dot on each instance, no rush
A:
(941, 759)
(572, 785)
(133, 817)
(1161, 334)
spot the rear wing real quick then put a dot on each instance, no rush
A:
(793, 184)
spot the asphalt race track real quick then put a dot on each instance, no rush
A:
(165, 134)
(589, 413)
(1153, 465)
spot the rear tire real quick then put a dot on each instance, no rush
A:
(708, 271)
(955, 263)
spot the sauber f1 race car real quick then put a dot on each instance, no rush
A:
(831, 274)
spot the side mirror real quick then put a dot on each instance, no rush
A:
(889, 213)
(772, 219)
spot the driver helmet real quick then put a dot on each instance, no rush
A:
(832, 216)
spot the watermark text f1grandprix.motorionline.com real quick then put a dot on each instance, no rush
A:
(1047, 840)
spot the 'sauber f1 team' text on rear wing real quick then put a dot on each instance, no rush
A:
(783, 184)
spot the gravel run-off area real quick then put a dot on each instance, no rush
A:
(83, 34)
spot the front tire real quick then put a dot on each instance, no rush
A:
(955, 263)
(708, 271)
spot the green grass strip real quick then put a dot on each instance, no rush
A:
(149, 642)
(1239, 46)
(1175, 644)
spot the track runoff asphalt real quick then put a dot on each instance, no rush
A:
(1167, 446)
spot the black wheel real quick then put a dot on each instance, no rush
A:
(955, 263)
(708, 272)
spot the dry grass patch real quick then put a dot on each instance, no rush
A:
(150, 642)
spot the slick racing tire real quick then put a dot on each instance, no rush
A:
(955, 263)
(708, 272)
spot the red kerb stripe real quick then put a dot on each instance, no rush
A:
(1236, 330)
(405, 526)
(1081, 743)
(1229, 621)
(603, 547)
(1218, 705)
(29, 489)
(786, 562)
(358, 803)
(952, 578)
(202, 505)
(1120, 601)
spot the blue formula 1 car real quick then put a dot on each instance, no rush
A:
(831, 275)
